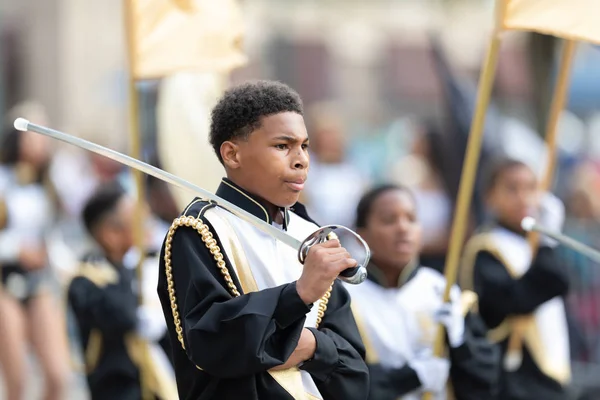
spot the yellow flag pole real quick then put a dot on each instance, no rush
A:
(468, 174)
(559, 97)
(136, 152)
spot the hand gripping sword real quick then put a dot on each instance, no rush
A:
(355, 245)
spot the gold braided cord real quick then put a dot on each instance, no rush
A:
(211, 243)
(323, 305)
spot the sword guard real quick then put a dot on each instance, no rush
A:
(354, 275)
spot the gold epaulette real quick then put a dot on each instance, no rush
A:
(211, 244)
(100, 274)
(475, 245)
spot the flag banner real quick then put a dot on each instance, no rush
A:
(183, 116)
(567, 19)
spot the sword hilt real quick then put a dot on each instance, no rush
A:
(354, 275)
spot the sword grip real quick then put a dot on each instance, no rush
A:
(348, 273)
(354, 275)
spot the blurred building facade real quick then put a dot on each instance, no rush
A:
(371, 56)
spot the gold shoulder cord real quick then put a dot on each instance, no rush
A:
(211, 244)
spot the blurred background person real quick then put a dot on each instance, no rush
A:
(29, 310)
(378, 62)
(104, 298)
(398, 306)
(521, 292)
(432, 171)
(335, 184)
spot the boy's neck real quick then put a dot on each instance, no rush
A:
(509, 227)
(391, 276)
(273, 210)
(116, 260)
(114, 257)
(277, 216)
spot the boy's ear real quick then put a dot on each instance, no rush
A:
(230, 154)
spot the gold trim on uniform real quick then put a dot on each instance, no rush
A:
(371, 355)
(289, 379)
(93, 351)
(523, 326)
(249, 198)
(100, 274)
(211, 244)
(157, 381)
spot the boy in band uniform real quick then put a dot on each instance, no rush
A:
(103, 296)
(246, 319)
(521, 291)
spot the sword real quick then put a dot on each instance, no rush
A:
(353, 275)
(530, 224)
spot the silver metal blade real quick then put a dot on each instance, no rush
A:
(24, 125)
(579, 247)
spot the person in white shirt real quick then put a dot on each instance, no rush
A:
(336, 184)
(398, 307)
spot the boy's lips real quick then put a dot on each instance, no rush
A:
(404, 245)
(296, 184)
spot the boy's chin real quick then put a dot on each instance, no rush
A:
(514, 225)
(287, 200)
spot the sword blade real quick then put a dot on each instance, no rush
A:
(573, 244)
(24, 125)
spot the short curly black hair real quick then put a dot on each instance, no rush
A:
(100, 204)
(365, 204)
(238, 112)
(498, 167)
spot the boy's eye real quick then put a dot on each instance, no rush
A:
(305, 146)
(281, 146)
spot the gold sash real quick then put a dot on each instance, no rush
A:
(156, 379)
(371, 355)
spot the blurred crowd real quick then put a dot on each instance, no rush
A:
(44, 190)
(427, 161)
(424, 154)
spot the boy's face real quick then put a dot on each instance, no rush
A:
(328, 142)
(115, 233)
(34, 148)
(514, 196)
(393, 231)
(273, 162)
